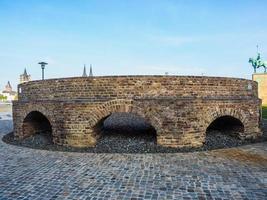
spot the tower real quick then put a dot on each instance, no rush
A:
(8, 87)
(84, 71)
(8, 93)
(25, 77)
(91, 70)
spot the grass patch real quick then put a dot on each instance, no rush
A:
(264, 111)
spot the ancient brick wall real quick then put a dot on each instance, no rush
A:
(100, 89)
(261, 79)
(179, 108)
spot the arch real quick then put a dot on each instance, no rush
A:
(137, 122)
(235, 113)
(104, 110)
(121, 127)
(36, 122)
(226, 123)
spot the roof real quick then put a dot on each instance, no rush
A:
(9, 92)
(25, 72)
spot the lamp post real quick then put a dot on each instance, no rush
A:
(43, 64)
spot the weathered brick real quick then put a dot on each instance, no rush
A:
(179, 107)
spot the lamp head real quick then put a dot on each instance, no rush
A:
(43, 64)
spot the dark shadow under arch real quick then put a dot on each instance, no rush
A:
(224, 131)
(124, 130)
(37, 123)
(226, 123)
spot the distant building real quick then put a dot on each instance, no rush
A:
(261, 79)
(91, 71)
(8, 92)
(25, 77)
(84, 71)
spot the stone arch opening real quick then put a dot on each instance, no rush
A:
(35, 123)
(224, 130)
(125, 130)
(227, 123)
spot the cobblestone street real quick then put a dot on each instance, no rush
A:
(237, 173)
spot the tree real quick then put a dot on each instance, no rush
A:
(3, 98)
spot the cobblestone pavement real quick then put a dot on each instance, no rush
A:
(237, 173)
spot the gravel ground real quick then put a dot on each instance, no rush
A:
(124, 141)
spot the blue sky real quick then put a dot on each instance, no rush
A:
(120, 37)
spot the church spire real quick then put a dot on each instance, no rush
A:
(84, 71)
(8, 87)
(25, 72)
(91, 70)
(25, 77)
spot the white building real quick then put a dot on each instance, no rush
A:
(8, 92)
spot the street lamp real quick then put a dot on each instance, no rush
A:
(43, 64)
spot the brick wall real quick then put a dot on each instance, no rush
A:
(179, 108)
(102, 88)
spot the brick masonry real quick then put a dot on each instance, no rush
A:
(261, 79)
(179, 107)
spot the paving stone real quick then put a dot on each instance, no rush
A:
(235, 173)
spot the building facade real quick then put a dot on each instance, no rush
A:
(261, 79)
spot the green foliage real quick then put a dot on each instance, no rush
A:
(264, 112)
(3, 98)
